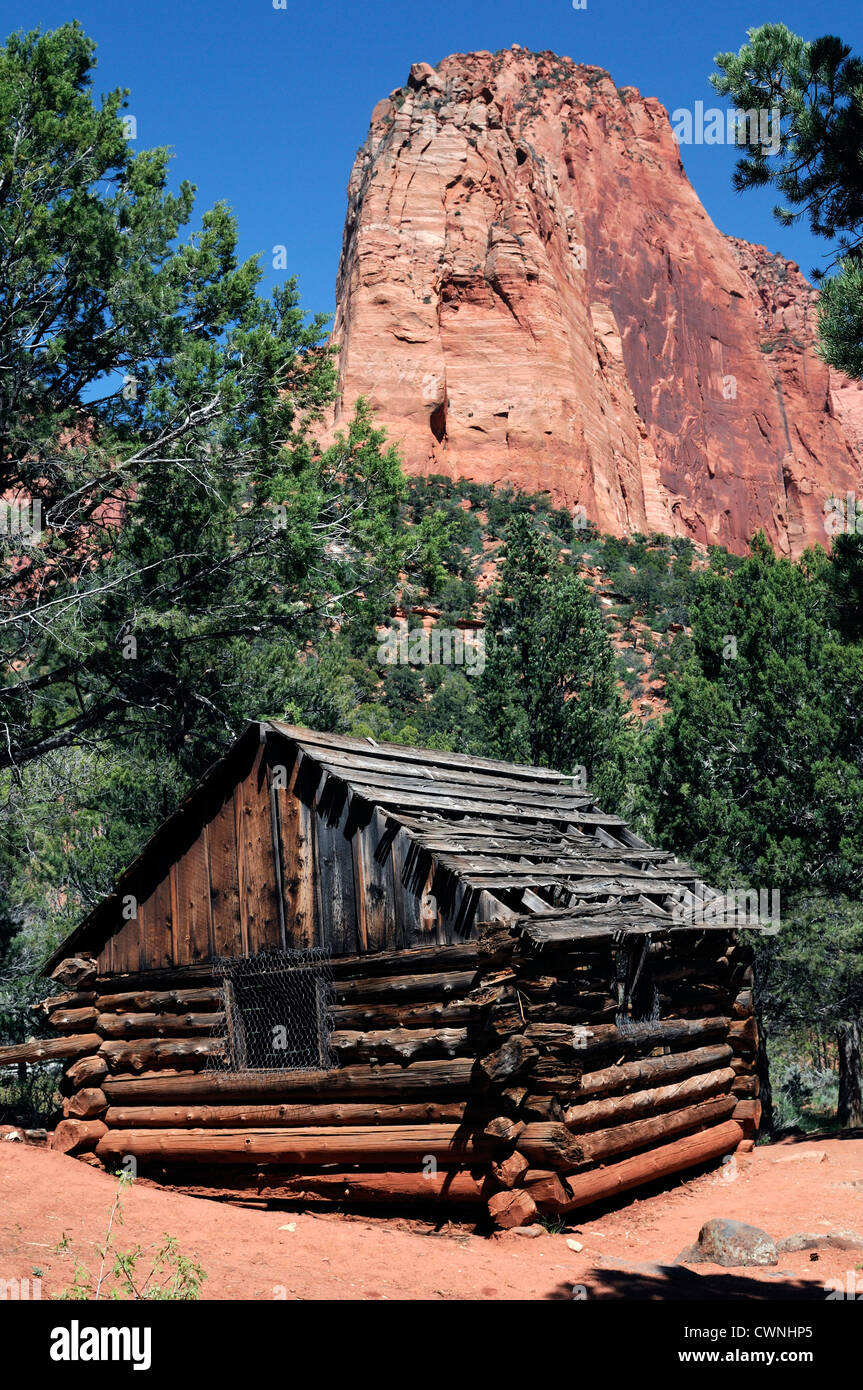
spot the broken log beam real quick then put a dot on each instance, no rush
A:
(87, 1104)
(551, 1146)
(545, 1186)
(75, 999)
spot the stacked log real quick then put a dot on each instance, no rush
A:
(489, 1072)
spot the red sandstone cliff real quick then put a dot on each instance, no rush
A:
(530, 291)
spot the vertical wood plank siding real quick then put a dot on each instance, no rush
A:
(288, 857)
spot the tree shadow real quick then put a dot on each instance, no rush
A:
(676, 1283)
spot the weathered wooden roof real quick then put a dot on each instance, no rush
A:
(528, 835)
(533, 839)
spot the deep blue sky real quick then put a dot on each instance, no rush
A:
(265, 108)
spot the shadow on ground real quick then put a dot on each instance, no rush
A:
(676, 1283)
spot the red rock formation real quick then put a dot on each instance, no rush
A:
(530, 291)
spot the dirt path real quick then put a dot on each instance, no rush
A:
(814, 1186)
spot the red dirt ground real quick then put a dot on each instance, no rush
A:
(784, 1189)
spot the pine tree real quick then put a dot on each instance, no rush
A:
(817, 90)
(159, 412)
(548, 695)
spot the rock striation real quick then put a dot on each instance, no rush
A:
(530, 292)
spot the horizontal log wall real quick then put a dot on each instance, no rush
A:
(485, 1071)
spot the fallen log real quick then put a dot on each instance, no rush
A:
(450, 1144)
(608, 1143)
(600, 1184)
(357, 1082)
(49, 1049)
(597, 1114)
(446, 1185)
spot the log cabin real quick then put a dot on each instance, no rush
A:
(347, 971)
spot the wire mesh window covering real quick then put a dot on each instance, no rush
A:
(277, 1011)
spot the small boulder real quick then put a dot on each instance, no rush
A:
(733, 1243)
